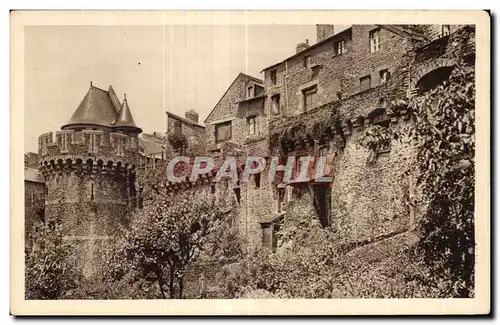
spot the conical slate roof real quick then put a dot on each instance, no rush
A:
(125, 119)
(103, 108)
(96, 108)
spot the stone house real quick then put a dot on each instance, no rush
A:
(238, 116)
(237, 126)
(182, 131)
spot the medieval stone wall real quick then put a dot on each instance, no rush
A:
(369, 199)
(90, 179)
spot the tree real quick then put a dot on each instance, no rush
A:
(166, 236)
(50, 271)
(445, 137)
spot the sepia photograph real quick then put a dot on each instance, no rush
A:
(208, 158)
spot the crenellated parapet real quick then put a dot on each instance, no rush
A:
(87, 151)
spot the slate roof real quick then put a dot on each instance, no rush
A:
(102, 108)
(96, 108)
(33, 175)
(114, 99)
(125, 118)
(150, 147)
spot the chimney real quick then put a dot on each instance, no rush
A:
(191, 115)
(302, 46)
(323, 32)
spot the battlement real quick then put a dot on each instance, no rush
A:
(108, 148)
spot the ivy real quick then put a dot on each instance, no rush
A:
(445, 136)
(375, 138)
(177, 141)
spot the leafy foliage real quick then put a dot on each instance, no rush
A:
(177, 141)
(444, 133)
(50, 271)
(375, 138)
(165, 237)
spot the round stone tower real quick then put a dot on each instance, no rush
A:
(89, 167)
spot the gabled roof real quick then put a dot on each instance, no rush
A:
(96, 108)
(185, 120)
(125, 118)
(240, 75)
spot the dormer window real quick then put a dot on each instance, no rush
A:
(250, 91)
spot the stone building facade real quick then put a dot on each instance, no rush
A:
(238, 126)
(325, 99)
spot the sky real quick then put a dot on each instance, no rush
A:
(160, 68)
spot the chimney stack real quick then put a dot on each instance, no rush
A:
(302, 46)
(323, 32)
(192, 115)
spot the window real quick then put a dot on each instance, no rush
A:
(374, 40)
(177, 127)
(322, 203)
(223, 131)
(267, 235)
(445, 30)
(91, 193)
(310, 98)
(275, 104)
(256, 179)
(273, 77)
(252, 125)
(307, 61)
(365, 83)
(250, 92)
(340, 47)
(385, 75)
